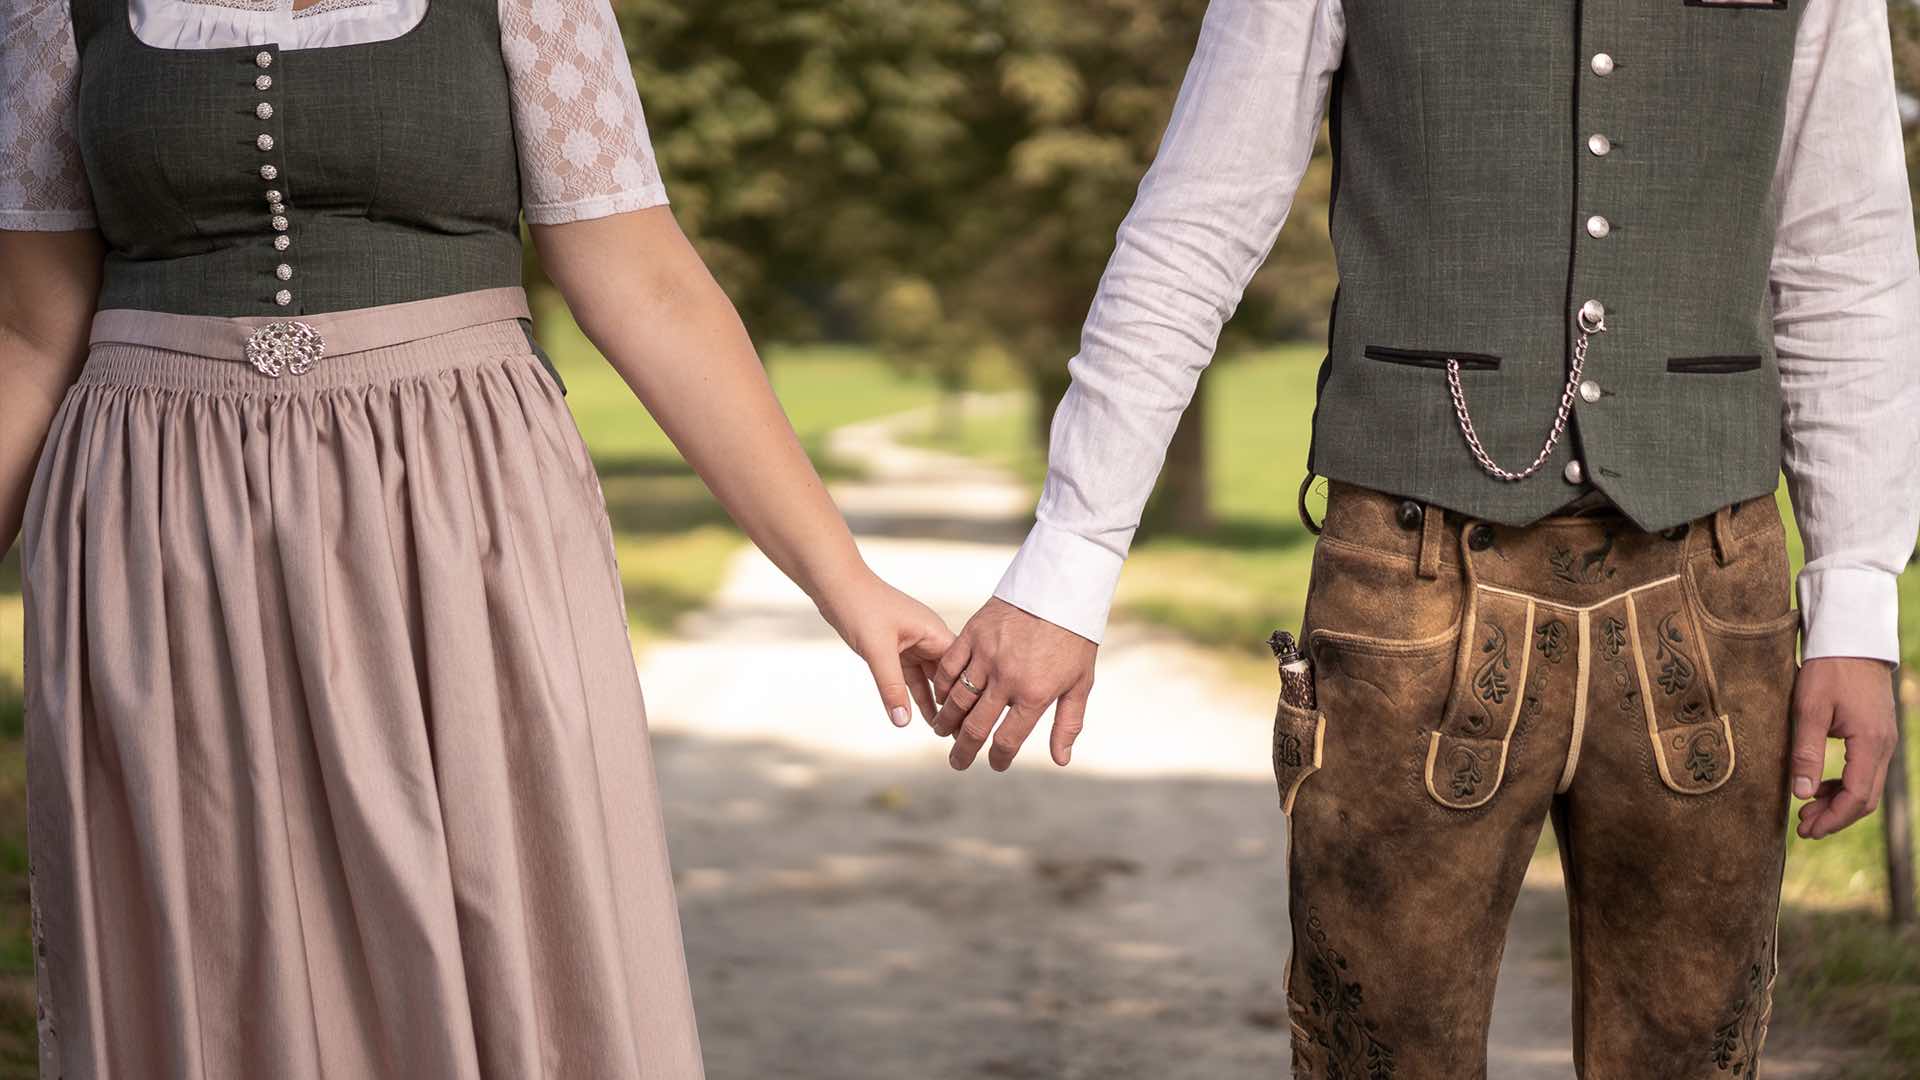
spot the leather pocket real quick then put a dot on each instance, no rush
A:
(1299, 737)
(1431, 358)
(1693, 747)
(1467, 753)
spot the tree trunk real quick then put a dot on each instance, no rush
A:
(1182, 503)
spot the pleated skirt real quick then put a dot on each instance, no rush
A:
(337, 762)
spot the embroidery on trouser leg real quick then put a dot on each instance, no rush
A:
(1341, 1034)
(1737, 1043)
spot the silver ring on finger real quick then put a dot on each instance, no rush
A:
(968, 683)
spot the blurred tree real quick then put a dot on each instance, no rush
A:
(1905, 18)
(942, 176)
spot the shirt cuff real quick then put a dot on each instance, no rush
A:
(1064, 578)
(1850, 611)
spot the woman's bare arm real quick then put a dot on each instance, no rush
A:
(644, 297)
(49, 283)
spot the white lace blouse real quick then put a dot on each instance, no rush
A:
(578, 124)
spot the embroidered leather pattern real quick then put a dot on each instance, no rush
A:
(1587, 568)
(1676, 668)
(1693, 740)
(1552, 640)
(1490, 681)
(1736, 1043)
(1342, 1037)
(1467, 754)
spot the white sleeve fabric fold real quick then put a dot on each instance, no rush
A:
(1846, 291)
(1206, 216)
(584, 147)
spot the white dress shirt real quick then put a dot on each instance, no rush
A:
(1846, 290)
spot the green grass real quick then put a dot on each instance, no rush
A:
(1845, 969)
(673, 540)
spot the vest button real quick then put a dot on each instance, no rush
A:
(1602, 65)
(264, 142)
(269, 172)
(1481, 538)
(1589, 391)
(1593, 316)
(263, 59)
(1411, 514)
(283, 298)
(1574, 473)
(282, 242)
(1599, 144)
(263, 82)
(1598, 227)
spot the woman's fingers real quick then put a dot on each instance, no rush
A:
(891, 680)
(919, 684)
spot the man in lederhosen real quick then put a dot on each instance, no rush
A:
(1606, 266)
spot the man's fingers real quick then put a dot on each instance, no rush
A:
(1068, 721)
(1812, 721)
(979, 724)
(892, 682)
(1012, 734)
(947, 672)
(958, 703)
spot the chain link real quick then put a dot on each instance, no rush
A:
(1559, 422)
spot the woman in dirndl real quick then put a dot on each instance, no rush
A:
(337, 763)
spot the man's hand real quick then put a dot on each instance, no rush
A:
(1852, 700)
(1020, 663)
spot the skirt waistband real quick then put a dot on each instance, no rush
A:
(296, 346)
(312, 354)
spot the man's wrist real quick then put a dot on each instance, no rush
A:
(1064, 578)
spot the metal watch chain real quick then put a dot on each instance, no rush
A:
(1587, 330)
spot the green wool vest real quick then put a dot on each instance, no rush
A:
(1498, 166)
(392, 165)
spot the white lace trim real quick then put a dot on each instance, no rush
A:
(42, 184)
(228, 24)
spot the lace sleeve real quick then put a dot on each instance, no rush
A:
(584, 149)
(42, 185)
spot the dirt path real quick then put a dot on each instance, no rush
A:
(854, 909)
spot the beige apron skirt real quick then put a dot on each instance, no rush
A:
(337, 764)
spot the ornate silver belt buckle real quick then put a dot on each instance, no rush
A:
(285, 347)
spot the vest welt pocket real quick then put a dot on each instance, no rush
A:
(1430, 358)
(1712, 365)
(1770, 5)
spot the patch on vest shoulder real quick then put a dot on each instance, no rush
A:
(1777, 5)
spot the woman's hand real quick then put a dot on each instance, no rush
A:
(900, 638)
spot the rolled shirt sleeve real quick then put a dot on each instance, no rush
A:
(1206, 215)
(1846, 290)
